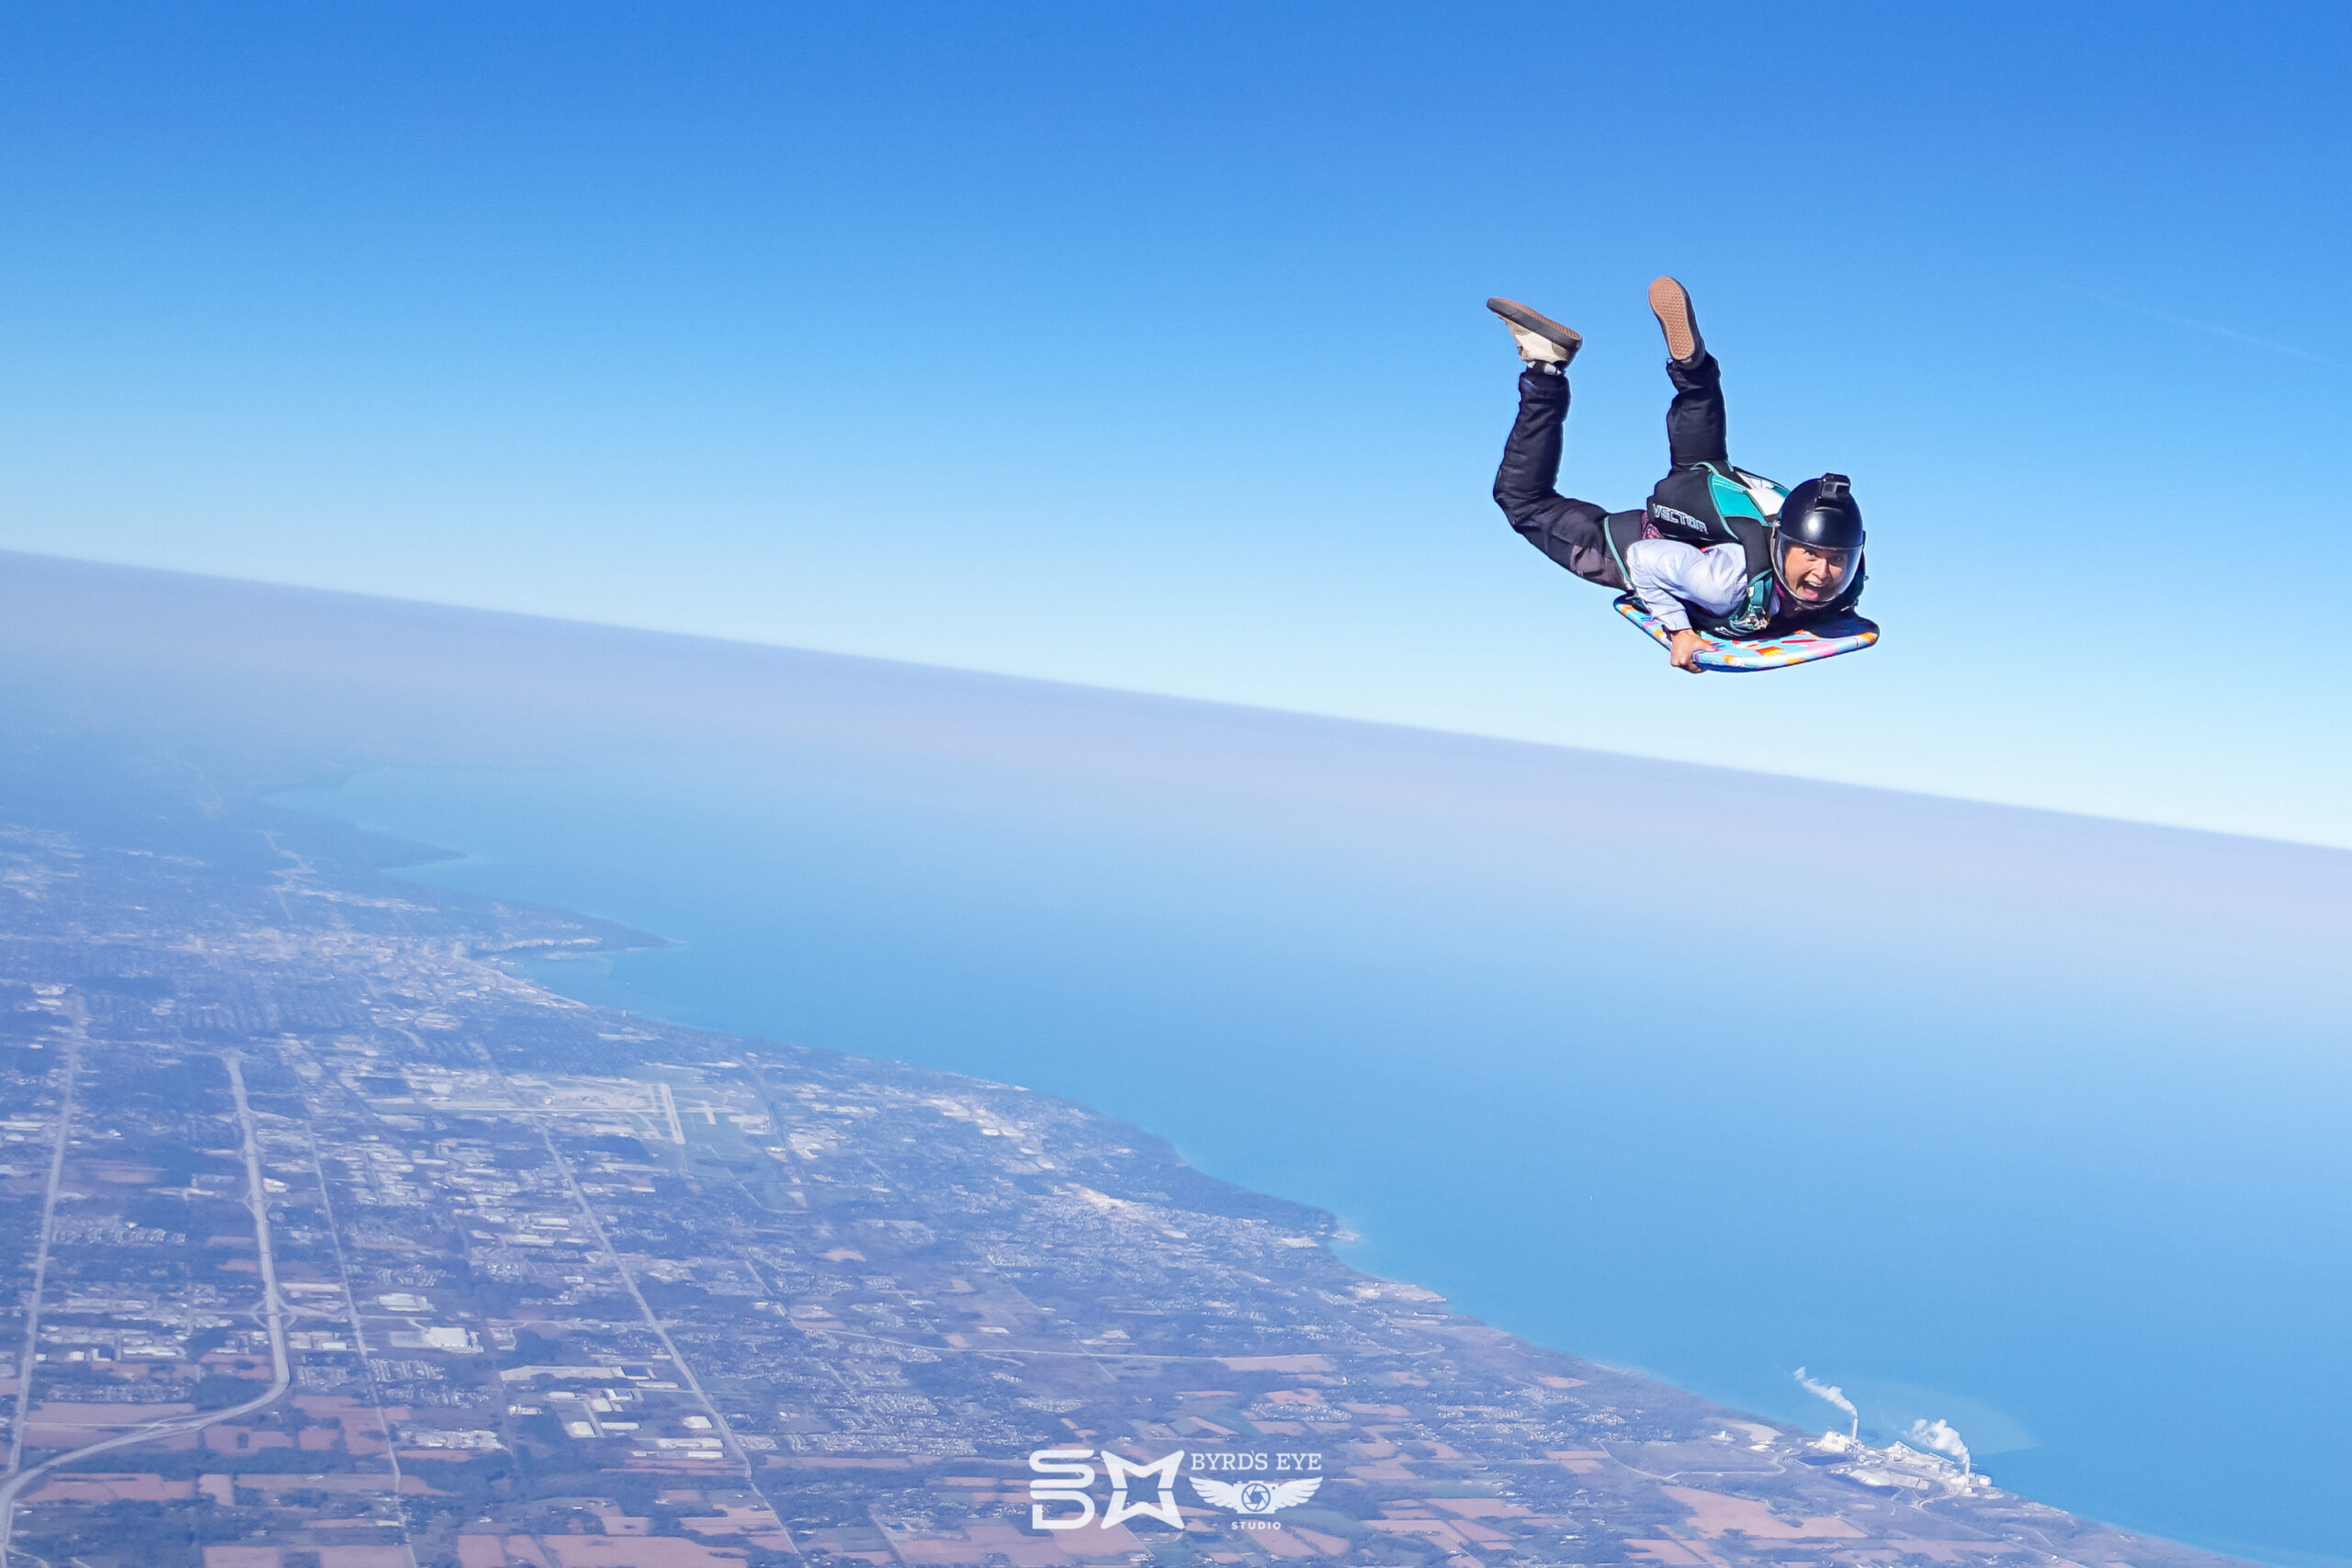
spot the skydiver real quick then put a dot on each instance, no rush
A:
(1717, 550)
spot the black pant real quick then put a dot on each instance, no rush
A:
(1576, 533)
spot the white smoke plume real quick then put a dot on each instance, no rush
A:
(1833, 1395)
(1938, 1437)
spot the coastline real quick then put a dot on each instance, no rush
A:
(1639, 1423)
(174, 703)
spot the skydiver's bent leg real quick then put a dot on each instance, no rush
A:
(1694, 421)
(1571, 532)
(1695, 441)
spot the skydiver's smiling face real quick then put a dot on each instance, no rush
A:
(1815, 576)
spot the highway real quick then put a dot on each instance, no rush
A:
(273, 1313)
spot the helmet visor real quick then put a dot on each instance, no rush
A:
(1812, 574)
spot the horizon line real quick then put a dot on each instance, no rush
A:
(1192, 698)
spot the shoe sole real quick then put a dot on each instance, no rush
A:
(1670, 303)
(1542, 325)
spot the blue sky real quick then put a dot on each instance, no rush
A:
(1141, 345)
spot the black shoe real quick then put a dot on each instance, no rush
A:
(1670, 303)
(1541, 340)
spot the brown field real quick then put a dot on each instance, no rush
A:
(577, 1552)
(239, 1366)
(1278, 1363)
(52, 1424)
(66, 1414)
(361, 1557)
(835, 1462)
(756, 1525)
(242, 1557)
(228, 1438)
(1478, 1507)
(327, 1405)
(361, 1433)
(1284, 1543)
(127, 1488)
(1672, 1552)
(1383, 1470)
(1442, 1531)
(1946, 1550)
(1717, 1514)
(1479, 1535)
(273, 1485)
(660, 1551)
(981, 1542)
(665, 1464)
(1446, 1532)
(120, 1170)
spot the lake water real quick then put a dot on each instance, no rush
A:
(2031, 1123)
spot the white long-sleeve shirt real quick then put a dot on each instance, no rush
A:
(1665, 574)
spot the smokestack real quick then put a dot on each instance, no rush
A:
(1836, 1396)
(1939, 1437)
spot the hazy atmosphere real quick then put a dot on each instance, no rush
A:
(776, 791)
(2059, 1113)
(1141, 346)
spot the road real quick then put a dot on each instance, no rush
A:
(653, 1320)
(273, 1312)
(78, 1029)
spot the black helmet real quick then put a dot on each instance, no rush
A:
(1820, 519)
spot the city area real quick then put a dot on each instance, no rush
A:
(335, 1244)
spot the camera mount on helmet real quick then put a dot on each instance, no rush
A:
(1817, 541)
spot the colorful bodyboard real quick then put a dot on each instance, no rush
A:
(1824, 640)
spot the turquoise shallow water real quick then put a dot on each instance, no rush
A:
(2029, 1124)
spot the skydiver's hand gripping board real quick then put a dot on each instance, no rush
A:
(1823, 640)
